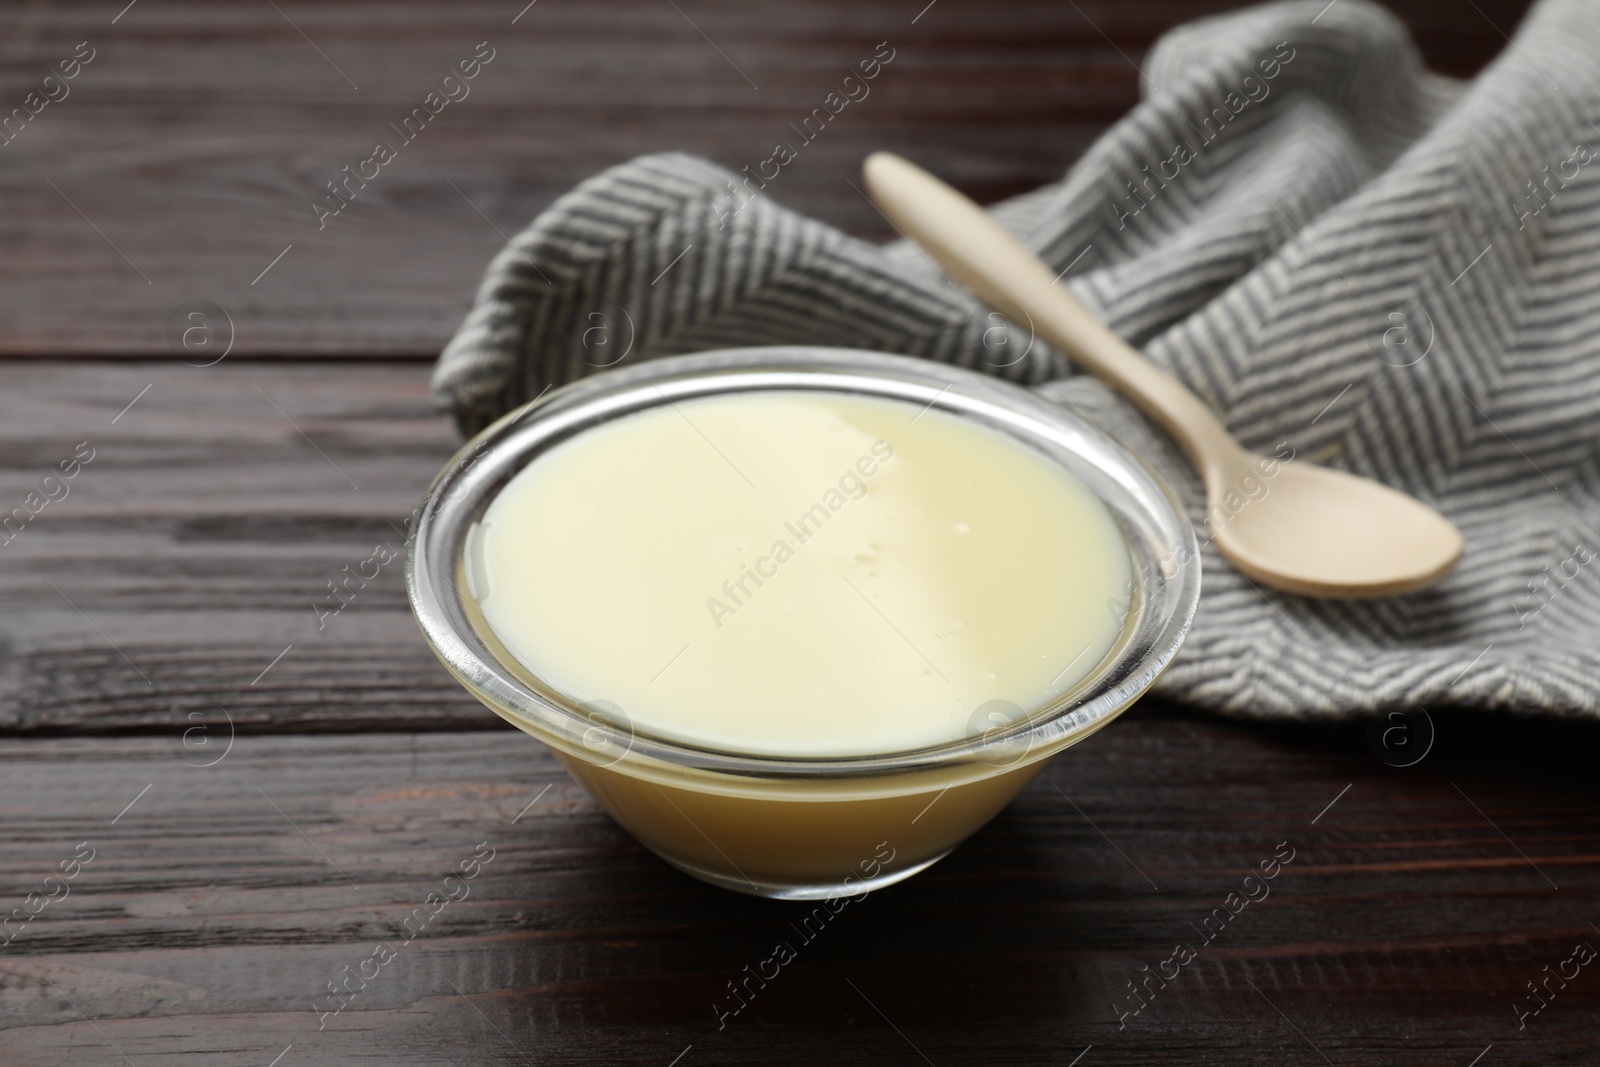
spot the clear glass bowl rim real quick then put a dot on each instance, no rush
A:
(1166, 564)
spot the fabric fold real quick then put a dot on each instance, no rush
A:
(1344, 254)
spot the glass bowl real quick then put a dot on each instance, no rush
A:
(786, 827)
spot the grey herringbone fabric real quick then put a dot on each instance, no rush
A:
(1389, 271)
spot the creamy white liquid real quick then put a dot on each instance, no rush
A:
(801, 574)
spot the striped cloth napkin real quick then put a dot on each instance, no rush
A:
(1377, 267)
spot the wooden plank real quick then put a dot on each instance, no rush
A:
(198, 135)
(199, 541)
(220, 901)
(182, 573)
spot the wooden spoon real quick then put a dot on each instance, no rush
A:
(1297, 527)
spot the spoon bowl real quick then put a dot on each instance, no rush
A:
(1312, 530)
(1321, 532)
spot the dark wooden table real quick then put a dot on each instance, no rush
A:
(247, 804)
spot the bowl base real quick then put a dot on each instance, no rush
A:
(805, 890)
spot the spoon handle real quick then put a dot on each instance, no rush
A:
(977, 252)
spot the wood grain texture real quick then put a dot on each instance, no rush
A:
(200, 540)
(218, 906)
(198, 136)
